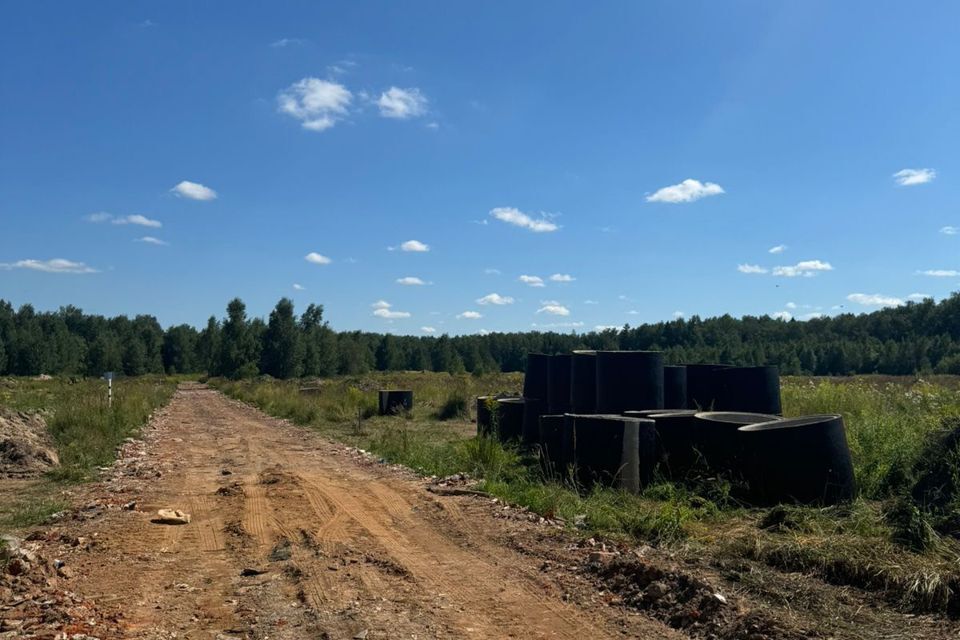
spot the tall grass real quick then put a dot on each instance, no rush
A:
(87, 430)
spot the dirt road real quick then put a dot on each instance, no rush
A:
(295, 537)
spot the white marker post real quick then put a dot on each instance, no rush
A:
(108, 376)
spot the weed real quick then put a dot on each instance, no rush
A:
(87, 430)
(910, 526)
(456, 407)
(31, 513)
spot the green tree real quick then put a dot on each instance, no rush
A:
(238, 349)
(134, 357)
(389, 354)
(104, 354)
(180, 354)
(208, 348)
(320, 356)
(282, 352)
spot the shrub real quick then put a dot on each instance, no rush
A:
(935, 492)
(910, 526)
(456, 407)
(487, 458)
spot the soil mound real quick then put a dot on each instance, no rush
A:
(26, 448)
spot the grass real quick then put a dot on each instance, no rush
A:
(85, 430)
(28, 514)
(870, 544)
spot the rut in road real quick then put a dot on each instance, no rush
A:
(332, 547)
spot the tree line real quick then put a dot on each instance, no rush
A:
(920, 337)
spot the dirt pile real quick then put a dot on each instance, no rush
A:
(26, 448)
(684, 601)
(35, 596)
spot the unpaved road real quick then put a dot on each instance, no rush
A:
(347, 548)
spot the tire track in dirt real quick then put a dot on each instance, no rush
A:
(439, 564)
(208, 525)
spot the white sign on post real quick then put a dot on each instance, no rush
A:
(108, 376)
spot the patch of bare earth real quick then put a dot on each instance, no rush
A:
(26, 449)
(291, 536)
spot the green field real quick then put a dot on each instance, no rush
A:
(886, 540)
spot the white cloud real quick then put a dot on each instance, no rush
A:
(791, 305)
(382, 309)
(287, 42)
(533, 281)
(606, 327)
(194, 191)
(56, 265)
(557, 325)
(512, 215)
(940, 273)
(152, 240)
(633, 312)
(315, 258)
(469, 315)
(807, 268)
(918, 297)
(402, 103)
(411, 281)
(298, 287)
(483, 332)
(554, 309)
(428, 329)
(751, 268)
(950, 231)
(813, 315)
(317, 104)
(562, 277)
(412, 245)
(590, 302)
(495, 298)
(687, 191)
(780, 248)
(492, 272)
(390, 315)
(874, 300)
(138, 219)
(434, 126)
(341, 67)
(678, 314)
(910, 177)
(782, 315)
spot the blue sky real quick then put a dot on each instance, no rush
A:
(649, 156)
